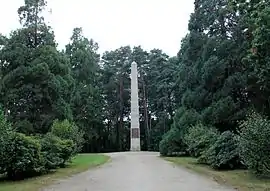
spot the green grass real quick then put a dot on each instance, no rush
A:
(239, 179)
(79, 164)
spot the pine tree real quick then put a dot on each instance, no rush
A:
(86, 102)
(36, 83)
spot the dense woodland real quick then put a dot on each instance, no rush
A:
(210, 101)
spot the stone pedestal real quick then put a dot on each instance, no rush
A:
(135, 125)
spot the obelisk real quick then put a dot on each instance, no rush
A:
(135, 125)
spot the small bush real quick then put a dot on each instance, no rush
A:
(224, 153)
(21, 156)
(67, 150)
(172, 143)
(199, 138)
(67, 130)
(55, 151)
(255, 145)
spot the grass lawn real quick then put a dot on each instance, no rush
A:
(239, 179)
(80, 163)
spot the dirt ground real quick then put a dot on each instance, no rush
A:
(137, 171)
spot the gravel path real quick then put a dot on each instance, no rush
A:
(142, 171)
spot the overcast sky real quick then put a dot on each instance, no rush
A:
(113, 23)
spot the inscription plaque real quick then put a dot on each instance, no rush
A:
(135, 133)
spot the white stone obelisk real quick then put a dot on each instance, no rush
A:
(135, 125)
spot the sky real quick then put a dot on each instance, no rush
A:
(112, 23)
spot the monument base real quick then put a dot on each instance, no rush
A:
(135, 144)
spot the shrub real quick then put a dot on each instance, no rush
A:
(67, 130)
(172, 143)
(5, 133)
(224, 153)
(255, 145)
(55, 151)
(21, 156)
(199, 138)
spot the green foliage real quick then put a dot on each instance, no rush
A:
(36, 84)
(30, 11)
(220, 111)
(24, 126)
(155, 138)
(67, 130)
(254, 144)
(20, 156)
(199, 138)
(224, 153)
(86, 101)
(172, 144)
(23, 156)
(56, 151)
(191, 102)
(173, 141)
(184, 118)
(5, 126)
(5, 134)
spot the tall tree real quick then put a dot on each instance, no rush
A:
(36, 81)
(213, 75)
(116, 70)
(254, 18)
(212, 85)
(86, 100)
(157, 76)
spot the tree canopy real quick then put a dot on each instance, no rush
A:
(208, 101)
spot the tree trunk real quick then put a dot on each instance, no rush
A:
(36, 25)
(145, 114)
(117, 132)
(121, 123)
